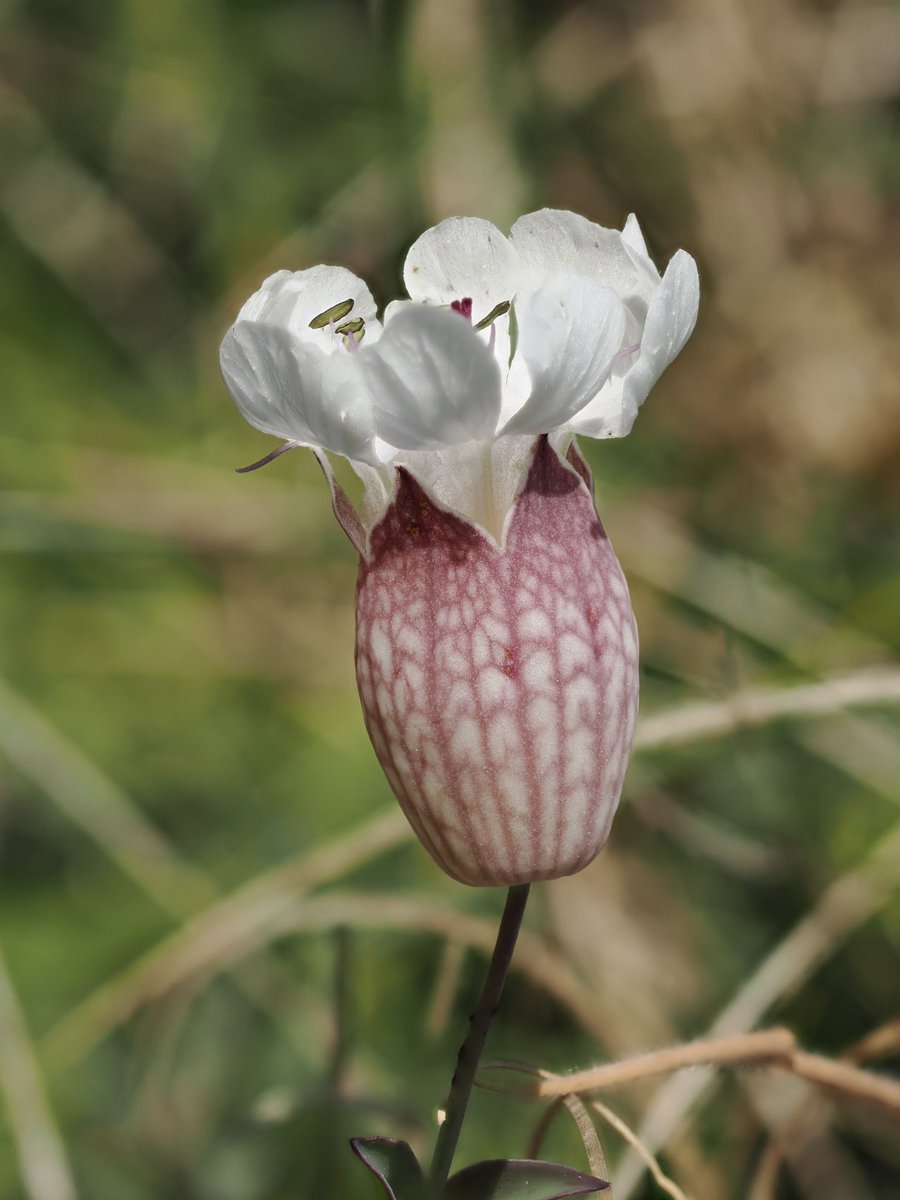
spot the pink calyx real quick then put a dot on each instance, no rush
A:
(499, 684)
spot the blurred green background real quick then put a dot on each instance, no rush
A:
(219, 948)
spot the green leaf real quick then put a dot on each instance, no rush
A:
(520, 1179)
(393, 1164)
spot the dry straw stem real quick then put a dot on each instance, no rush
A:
(739, 594)
(218, 937)
(849, 1081)
(106, 814)
(203, 948)
(767, 1047)
(446, 985)
(100, 808)
(693, 722)
(586, 1130)
(804, 1123)
(846, 904)
(42, 1158)
(774, 1048)
(669, 1186)
(882, 1042)
(82, 233)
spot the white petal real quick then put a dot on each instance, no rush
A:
(570, 332)
(478, 480)
(376, 497)
(291, 299)
(552, 240)
(633, 237)
(432, 381)
(459, 258)
(393, 307)
(293, 390)
(670, 321)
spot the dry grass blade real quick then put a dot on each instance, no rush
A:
(767, 1047)
(587, 1131)
(744, 709)
(701, 835)
(802, 1123)
(848, 902)
(99, 807)
(542, 1128)
(219, 936)
(768, 1171)
(590, 1139)
(205, 946)
(89, 798)
(446, 985)
(864, 749)
(662, 1180)
(882, 1042)
(739, 593)
(42, 1157)
(849, 1081)
(83, 234)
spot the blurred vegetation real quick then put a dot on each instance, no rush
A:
(178, 718)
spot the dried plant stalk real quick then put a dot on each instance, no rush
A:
(768, 1046)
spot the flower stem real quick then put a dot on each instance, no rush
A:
(470, 1051)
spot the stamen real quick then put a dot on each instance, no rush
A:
(354, 326)
(264, 462)
(497, 311)
(513, 333)
(463, 307)
(628, 350)
(332, 315)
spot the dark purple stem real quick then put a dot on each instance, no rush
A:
(470, 1051)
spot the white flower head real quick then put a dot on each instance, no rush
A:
(561, 328)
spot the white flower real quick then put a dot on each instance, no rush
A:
(496, 650)
(561, 328)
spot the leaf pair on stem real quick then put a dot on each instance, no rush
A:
(398, 1172)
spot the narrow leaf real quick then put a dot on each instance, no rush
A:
(520, 1179)
(393, 1164)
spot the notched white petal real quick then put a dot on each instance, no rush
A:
(670, 321)
(570, 332)
(459, 258)
(295, 299)
(295, 391)
(633, 236)
(553, 240)
(260, 371)
(432, 381)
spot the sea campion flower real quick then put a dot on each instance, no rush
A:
(496, 647)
